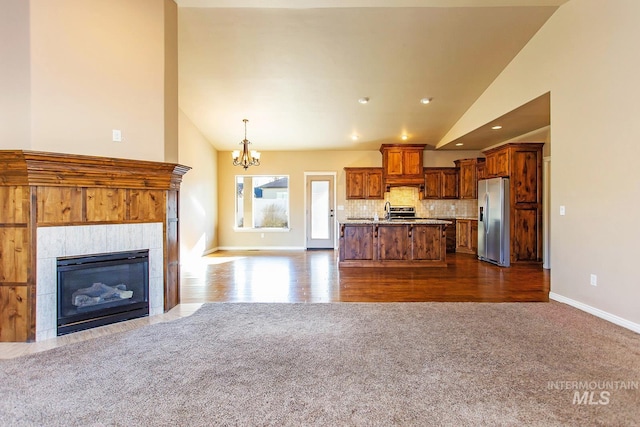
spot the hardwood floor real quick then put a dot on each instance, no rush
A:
(313, 276)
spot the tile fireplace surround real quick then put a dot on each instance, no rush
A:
(54, 242)
(55, 205)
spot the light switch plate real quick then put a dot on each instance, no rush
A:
(562, 210)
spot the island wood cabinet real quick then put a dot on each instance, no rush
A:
(356, 242)
(402, 164)
(440, 183)
(450, 235)
(364, 183)
(468, 177)
(426, 243)
(522, 164)
(392, 245)
(467, 236)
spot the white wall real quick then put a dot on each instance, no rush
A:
(15, 108)
(198, 195)
(587, 55)
(93, 66)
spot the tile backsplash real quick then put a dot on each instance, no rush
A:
(409, 196)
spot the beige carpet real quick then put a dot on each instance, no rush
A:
(462, 364)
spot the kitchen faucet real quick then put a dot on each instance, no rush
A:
(387, 209)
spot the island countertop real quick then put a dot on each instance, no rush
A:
(395, 221)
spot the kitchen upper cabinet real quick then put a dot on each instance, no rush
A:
(467, 236)
(522, 164)
(402, 164)
(440, 183)
(468, 177)
(364, 183)
(497, 163)
(482, 170)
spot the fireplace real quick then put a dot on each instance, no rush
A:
(99, 289)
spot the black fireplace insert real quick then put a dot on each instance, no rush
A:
(96, 290)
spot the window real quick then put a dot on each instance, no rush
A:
(262, 202)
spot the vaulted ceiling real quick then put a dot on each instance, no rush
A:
(296, 69)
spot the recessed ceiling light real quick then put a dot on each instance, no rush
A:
(425, 100)
(363, 100)
(354, 137)
(459, 144)
(496, 127)
(404, 137)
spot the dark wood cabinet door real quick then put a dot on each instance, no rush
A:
(463, 235)
(450, 233)
(481, 171)
(364, 183)
(432, 184)
(524, 182)
(402, 163)
(426, 243)
(467, 178)
(357, 242)
(412, 163)
(449, 184)
(526, 236)
(394, 161)
(354, 181)
(393, 242)
(375, 188)
(467, 236)
(474, 236)
(498, 163)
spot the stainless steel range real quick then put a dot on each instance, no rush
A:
(400, 212)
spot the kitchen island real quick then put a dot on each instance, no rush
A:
(392, 243)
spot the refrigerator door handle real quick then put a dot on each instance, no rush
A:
(486, 206)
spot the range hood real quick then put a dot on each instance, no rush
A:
(402, 165)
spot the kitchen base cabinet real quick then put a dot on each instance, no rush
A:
(427, 243)
(450, 234)
(385, 244)
(356, 242)
(467, 236)
(393, 242)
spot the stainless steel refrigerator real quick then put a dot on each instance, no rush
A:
(493, 221)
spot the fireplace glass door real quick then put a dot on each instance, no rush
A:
(96, 290)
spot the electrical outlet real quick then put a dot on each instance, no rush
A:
(262, 235)
(594, 280)
(116, 135)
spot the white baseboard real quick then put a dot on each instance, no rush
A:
(210, 251)
(635, 327)
(262, 248)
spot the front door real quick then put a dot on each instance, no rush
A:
(320, 212)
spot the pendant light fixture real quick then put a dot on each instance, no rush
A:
(247, 157)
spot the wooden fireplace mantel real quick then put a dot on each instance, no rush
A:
(39, 189)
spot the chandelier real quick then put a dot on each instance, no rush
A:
(247, 157)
